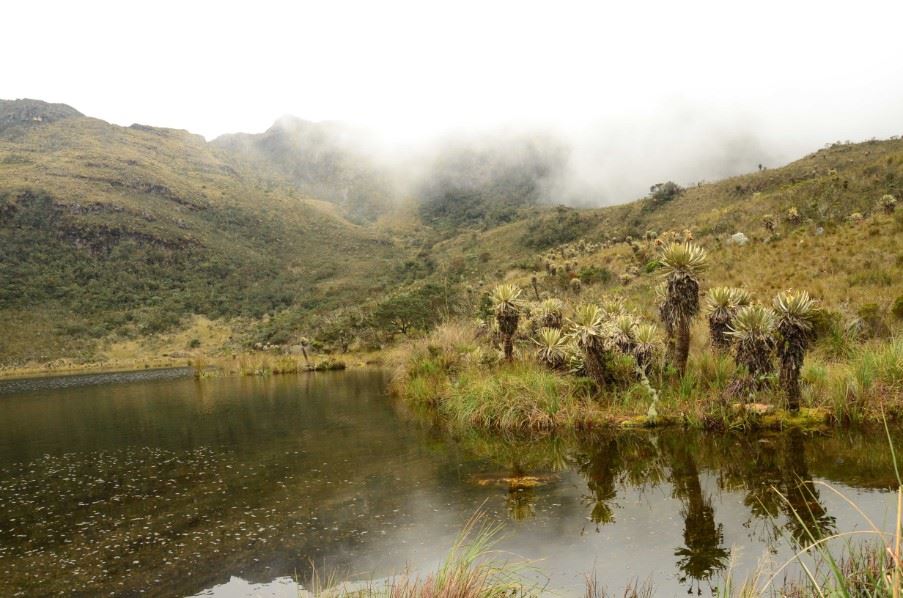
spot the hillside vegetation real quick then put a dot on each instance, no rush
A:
(120, 232)
(122, 236)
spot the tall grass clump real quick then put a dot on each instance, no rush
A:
(422, 369)
(866, 388)
(471, 569)
(517, 397)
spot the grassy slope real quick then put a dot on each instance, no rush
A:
(846, 266)
(119, 230)
(851, 266)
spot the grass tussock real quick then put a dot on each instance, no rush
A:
(285, 364)
(862, 389)
(521, 395)
(471, 569)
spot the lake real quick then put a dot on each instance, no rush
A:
(156, 483)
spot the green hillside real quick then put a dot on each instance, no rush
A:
(120, 231)
(818, 242)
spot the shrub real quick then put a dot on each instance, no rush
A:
(897, 308)
(664, 192)
(595, 274)
(652, 266)
(871, 322)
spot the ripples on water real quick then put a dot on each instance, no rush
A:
(232, 487)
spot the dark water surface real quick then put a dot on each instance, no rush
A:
(231, 487)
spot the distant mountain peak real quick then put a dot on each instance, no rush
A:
(26, 111)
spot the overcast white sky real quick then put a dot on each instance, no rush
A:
(797, 74)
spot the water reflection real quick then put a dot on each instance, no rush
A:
(775, 475)
(703, 553)
(807, 517)
(771, 475)
(175, 487)
(610, 461)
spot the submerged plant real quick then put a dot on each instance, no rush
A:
(795, 319)
(681, 264)
(753, 328)
(552, 350)
(505, 301)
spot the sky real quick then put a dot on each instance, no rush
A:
(679, 81)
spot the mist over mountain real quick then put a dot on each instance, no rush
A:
(481, 176)
(325, 160)
(483, 180)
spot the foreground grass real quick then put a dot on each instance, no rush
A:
(455, 373)
(471, 569)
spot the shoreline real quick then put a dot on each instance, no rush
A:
(236, 365)
(49, 371)
(453, 376)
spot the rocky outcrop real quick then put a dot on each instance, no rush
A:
(17, 113)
